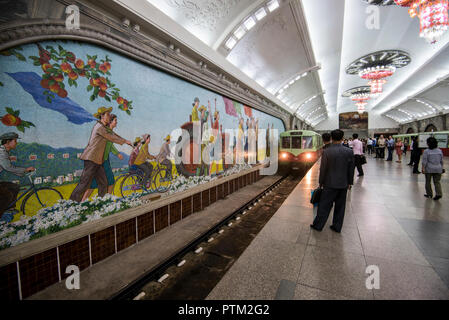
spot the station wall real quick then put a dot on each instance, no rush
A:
(441, 122)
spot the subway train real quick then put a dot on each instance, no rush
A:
(298, 149)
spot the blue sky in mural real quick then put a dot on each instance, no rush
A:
(161, 102)
(30, 83)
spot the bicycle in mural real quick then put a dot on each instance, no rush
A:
(132, 182)
(36, 198)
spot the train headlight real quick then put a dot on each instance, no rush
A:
(308, 156)
(284, 155)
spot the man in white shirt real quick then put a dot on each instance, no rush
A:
(369, 145)
(357, 148)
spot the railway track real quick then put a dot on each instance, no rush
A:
(193, 271)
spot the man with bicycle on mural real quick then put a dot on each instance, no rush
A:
(162, 158)
(142, 157)
(9, 190)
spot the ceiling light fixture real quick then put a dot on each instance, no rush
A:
(377, 76)
(377, 66)
(433, 17)
(360, 95)
(231, 43)
(249, 23)
(260, 14)
(240, 32)
(273, 5)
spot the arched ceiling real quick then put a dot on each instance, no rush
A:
(298, 51)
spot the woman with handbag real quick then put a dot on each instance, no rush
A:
(398, 146)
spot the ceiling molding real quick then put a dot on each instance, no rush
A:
(303, 31)
(234, 23)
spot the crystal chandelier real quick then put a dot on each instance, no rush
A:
(433, 17)
(361, 100)
(377, 76)
(359, 95)
(361, 110)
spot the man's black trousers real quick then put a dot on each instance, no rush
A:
(330, 196)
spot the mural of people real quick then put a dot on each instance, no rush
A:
(163, 157)
(106, 164)
(143, 156)
(9, 190)
(194, 114)
(93, 155)
(132, 158)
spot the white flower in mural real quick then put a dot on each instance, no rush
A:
(67, 213)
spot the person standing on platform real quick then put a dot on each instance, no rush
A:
(375, 148)
(336, 177)
(357, 148)
(381, 143)
(411, 152)
(390, 148)
(405, 147)
(369, 146)
(399, 146)
(326, 140)
(416, 155)
(432, 167)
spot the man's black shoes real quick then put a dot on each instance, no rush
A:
(314, 228)
(334, 229)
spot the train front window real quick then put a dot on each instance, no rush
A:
(285, 142)
(296, 142)
(307, 142)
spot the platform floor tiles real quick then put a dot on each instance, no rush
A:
(388, 224)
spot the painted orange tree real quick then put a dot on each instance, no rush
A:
(60, 65)
(12, 119)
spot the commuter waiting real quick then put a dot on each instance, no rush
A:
(336, 177)
(390, 148)
(415, 155)
(357, 148)
(381, 146)
(432, 167)
(326, 140)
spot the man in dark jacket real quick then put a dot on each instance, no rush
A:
(336, 177)
(415, 155)
(326, 140)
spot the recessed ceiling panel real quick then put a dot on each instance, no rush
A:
(206, 19)
(271, 53)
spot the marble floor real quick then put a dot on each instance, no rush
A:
(389, 226)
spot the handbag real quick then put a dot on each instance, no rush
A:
(362, 159)
(316, 196)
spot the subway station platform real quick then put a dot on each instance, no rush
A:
(388, 223)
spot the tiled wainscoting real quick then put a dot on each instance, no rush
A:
(31, 267)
